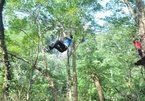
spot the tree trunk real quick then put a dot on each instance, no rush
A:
(50, 80)
(7, 75)
(98, 86)
(50, 84)
(139, 17)
(69, 94)
(46, 73)
(74, 73)
(30, 84)
(140, 20)
(129, 79)
(30, 78)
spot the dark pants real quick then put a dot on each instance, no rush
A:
(140, 52)
(59, 46)
(140, 62)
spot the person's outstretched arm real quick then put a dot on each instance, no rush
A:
(64, 35)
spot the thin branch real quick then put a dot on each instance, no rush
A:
(25, 33)
(20, 58)
(129, 8)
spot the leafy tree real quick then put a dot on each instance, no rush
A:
(5, 58)
(98, 66)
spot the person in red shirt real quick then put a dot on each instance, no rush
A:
(138, 46)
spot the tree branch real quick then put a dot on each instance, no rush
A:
(129, 8)
(20, 58)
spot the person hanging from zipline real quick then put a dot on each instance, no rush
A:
(63, 44)
(140, 50)
(138, 46)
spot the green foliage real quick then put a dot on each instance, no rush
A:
(109, 54)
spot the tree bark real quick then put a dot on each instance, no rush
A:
(98, 86)
(139, 17)
(51, 84)
(31, 75)
(140, 20)
(69, 94)
(7, 75)
(138, 14)
(75, 73)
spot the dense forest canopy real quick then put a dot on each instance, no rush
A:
(99, 65)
